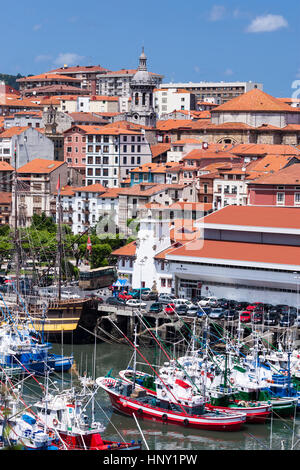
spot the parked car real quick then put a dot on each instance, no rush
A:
(192, 311)
(287, 320)
(217, 313)
(115, 301)
(185, 302)
(149, 295)
(245, 317)
(282, 309)
(137, 293)
(257, 318)
(124, 296)
(156, 307)
(135, 303)
(203, 311)
(181, 309)
(271, 318)
(170, 309)
(166, 298)
(208, 301)
(241, 305)
(231, 314)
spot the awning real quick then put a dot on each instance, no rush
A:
(121, 283)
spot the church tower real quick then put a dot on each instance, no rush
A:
(142, 86)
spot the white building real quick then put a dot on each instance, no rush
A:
(167, 100)
(219, 91)
(244, 253)
(112, 151)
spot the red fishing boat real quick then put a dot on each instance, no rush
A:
(184, 408)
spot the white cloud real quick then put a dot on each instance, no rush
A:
(42, 58)
(217, 13)
(267, 24)
(228, 72)
(68, 58)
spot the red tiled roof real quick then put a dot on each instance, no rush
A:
(238, 251)
(158, 149)
(126, 250)
(255, 101)
(256, 216)
(92, 188)
(39, 165)
(286, 176)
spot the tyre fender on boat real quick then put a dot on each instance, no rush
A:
(186, 422)
(231, 380)
(164, 417)
(163, 393)
(139, 411)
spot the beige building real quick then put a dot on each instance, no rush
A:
(37, 182)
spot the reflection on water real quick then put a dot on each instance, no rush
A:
(98, 360)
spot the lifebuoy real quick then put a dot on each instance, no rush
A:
(231, 381)
(164, 417)
(163, 393)
(186, 422)
(55, 422)
(140, 411)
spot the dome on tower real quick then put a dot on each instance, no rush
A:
(142, 75)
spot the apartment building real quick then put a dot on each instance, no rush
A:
(167, 100)
(221, 92)
(37, 182)
(112, 152)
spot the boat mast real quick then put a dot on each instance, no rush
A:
(16, 231)
(59, 239)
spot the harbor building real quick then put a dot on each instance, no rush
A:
(244, 253)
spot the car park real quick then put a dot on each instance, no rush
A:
(217, 313)
(156, 307)
(185, 302)
(170, 309)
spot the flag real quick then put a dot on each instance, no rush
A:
(89, 245)
(58, 186)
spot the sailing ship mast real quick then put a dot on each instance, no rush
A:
(16, 230)
(59, 238)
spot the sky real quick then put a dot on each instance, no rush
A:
(192, 40)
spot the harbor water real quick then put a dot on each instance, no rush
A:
(97, 360)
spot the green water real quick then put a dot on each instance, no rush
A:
(285, 432)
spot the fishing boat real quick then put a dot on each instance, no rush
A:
(220, 398)
(184, 408)
(22, 348)
(64, 416)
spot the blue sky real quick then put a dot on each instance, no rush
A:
(185, 41)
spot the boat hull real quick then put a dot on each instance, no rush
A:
(255, 414)
(210, 421)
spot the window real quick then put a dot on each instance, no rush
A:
(132, 148)
(297, 198)
(124, 148)
(163, 282)
(124, 160)
(280, 198)
(90, 171)
(105, 160)
(132, 160)
(98, 160)
(90, 160)
(69, 149)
